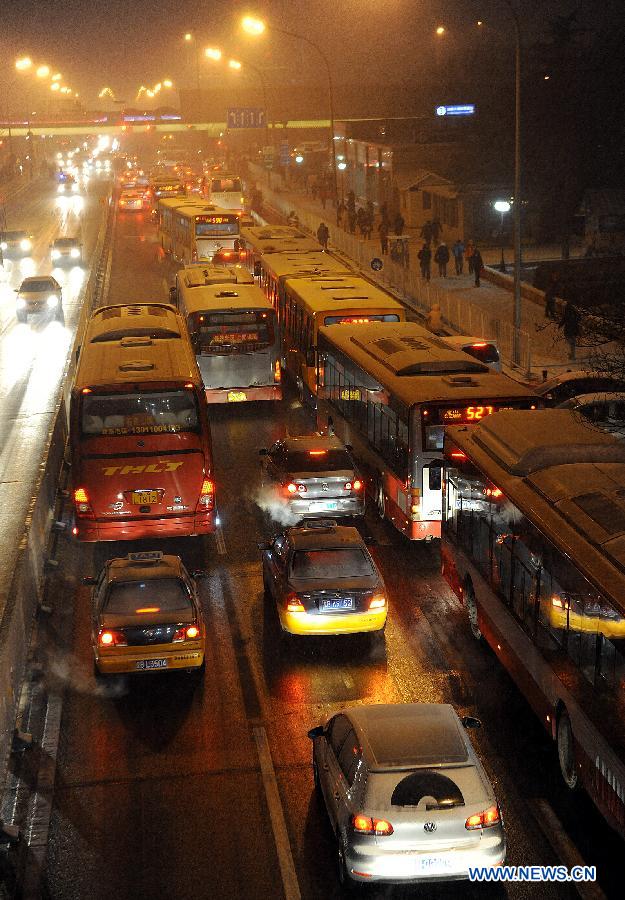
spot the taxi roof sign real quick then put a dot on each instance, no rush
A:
(146, 556)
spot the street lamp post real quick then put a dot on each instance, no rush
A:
(256, 27)
(502, 207)
(516, 211)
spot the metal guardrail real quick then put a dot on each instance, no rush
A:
(26, 588)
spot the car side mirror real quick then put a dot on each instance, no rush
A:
(89, 579)
(263, 451)
(316, 732)
(199, 573)
(471, 722)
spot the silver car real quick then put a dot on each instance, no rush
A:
(39, 293)
(313, 475)
(406, 795)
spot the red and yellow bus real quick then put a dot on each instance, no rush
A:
(533, 545)
(140, 437)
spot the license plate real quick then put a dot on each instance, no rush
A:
(432, 864)
(151, 664)
(322, 504)
(337, 604)
(145, 498)
(236, 396)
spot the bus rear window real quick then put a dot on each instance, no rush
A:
(231, 332)
(225, 185)
(160, 412)
(355, 318)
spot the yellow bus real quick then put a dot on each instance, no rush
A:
(191, 230)
(308, 302)
(260, 239)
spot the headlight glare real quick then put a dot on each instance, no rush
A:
(55, 254)
(25, 244)
(75, 253)
(53, 300)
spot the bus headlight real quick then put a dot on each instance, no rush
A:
(53, 300)
(25, 244)
(3, 245)
(55, 254)
(75, 253)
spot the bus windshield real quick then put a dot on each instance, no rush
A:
(231, 332)
(146, 413)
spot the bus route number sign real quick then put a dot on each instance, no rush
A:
(213, 220)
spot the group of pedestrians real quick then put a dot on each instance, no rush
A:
(442, 256)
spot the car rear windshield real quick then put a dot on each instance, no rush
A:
(329, 563)
(225, 185)
(13, 235)
(65, 242)
(318, 461)
(486, 353)
(156, 595)
(40, 284)
(412, 741)
(150, 413)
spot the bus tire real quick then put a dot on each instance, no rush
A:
(566, 750)
(471, 607)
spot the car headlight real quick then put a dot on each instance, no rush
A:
(60, 189)
(53, 300)
(25, 244)
(75, 253)
(3, 245)
(20, 303)
(55, 254)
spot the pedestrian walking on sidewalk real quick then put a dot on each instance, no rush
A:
(384, 214)
(442, 258)
(458, 252)
(383, 232)
(371, 212)
(368, 223)
(398, 224)
(469, 255)
(323, 235)
(426, 231)
(425, 261)
(341, 209)
(570, 325)
(436, 230)
(550, 296)
(351, 220)
(361, 217)
(478, 265)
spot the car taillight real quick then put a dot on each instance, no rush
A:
(293, 488)
(353, 485)
(186, 633)
(207, 494)
(367, 825)
(378, 601)
(277, 372)
(81, 503)
(485, 819)
(294, 604)
(108, 637)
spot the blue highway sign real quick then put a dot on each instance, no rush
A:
(246, 117)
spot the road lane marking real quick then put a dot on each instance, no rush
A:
(276, 813)
(563, 846)
(220, 541)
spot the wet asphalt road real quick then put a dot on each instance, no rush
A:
(159, 791)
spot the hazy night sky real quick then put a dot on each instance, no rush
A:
(124, 44)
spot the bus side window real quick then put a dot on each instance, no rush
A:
(435, 477)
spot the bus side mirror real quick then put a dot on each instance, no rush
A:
(89, 579)
(311, 358)
(316, 732)
(257, 270)
(173, 295)
(471, 722)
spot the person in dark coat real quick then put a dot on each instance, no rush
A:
(478, 265)
(425, 261)
(458, 252)
(570, 325)
(442, 258)
(399, 223)
(323, 235)
(436, 230)
(426, 232)
(383, 232)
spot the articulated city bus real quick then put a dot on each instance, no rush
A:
(390, 391)
(234, 333)
(258, 240)
(191, 230)
(139, 433)
(533, 544)
(275, 268)
(308, 302)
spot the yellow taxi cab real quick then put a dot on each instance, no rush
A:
(146, 615)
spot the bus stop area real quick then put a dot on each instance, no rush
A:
(485, 311)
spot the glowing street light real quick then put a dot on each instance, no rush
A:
(24, 63)
(252, 25)
(57, 76)
(168, 83)
(234, 64)
(188, 37)
(55, 86)
(212, 53)
(441, 30)
(43, 71)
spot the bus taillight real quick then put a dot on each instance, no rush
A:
(277, 372)
(82, 504)
(207, 495)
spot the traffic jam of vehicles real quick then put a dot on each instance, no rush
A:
(423, 433)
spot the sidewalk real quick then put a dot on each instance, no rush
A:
(485, 311)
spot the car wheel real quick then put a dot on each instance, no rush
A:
(471, 607)
(566, 751)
